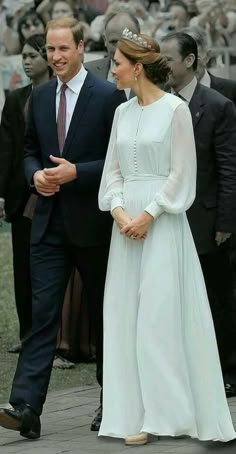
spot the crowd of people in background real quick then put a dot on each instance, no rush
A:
(20, 19)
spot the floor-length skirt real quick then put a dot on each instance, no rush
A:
(162, 372)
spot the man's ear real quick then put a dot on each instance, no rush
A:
(189, 60)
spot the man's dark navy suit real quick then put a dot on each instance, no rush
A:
(67, 227)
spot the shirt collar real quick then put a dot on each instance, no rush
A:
(206, 80)
(75, 83)
(187, 92)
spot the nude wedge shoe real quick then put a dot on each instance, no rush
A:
(137, 439)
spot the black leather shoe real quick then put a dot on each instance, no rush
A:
(23, 419)
(230, 390)
(96, 422)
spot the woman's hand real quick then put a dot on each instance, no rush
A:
(138, 226)
(121, 217)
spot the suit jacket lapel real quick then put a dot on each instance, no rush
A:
(196, 106)
(80, 108)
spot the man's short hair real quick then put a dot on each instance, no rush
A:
(67, 22)
(187, 45)
(199, 34)
(129, 16)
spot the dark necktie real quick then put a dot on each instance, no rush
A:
(61, 118)
(179, 96)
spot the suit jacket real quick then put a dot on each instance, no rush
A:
(86, 145)
(13, 186)
(99, 68)
(226, 87)
(214, 209)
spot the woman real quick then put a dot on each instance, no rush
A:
(14, 189)
(31, 23)
(162, 373)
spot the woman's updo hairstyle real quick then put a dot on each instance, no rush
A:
(155, 66)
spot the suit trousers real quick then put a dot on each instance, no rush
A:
(20, 229)
(50, 268)
(218, 275)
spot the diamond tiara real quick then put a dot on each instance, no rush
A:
(134, 38)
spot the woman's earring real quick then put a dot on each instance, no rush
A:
(135, 78)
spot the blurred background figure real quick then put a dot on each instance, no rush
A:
(114, 24)
(31, 23)
(60, 8)
(174, 18)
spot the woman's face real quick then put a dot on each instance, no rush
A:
(32, 26)
(61, 8)
(123, 71)
(33, 63)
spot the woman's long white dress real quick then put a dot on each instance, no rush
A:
(162, 372)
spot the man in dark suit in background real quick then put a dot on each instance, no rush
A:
(113, 28)
(212, 216)
(226, 87)
(67, 135)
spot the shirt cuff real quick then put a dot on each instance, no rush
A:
(154, 209)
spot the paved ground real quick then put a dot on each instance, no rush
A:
(66, 429)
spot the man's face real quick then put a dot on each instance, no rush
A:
(64, 56)
(176, 63)
(111, 36)
(113, 33)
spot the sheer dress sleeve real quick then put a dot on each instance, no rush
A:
(178, 192)
(111, 188)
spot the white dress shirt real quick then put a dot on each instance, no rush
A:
(187, 92)
(74, 86)
(205, 80)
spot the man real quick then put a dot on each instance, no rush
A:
(226, 87)
(212, 216)
(63, 163)
(113, 28)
